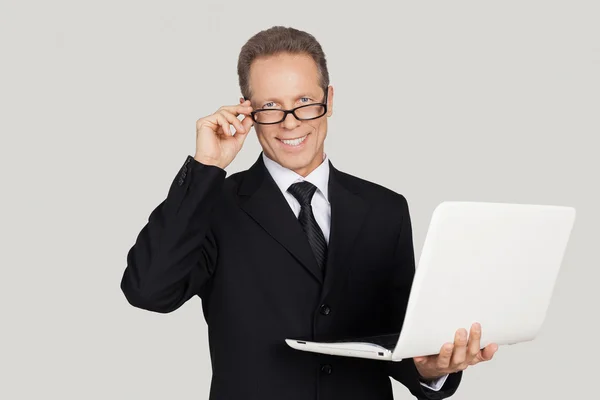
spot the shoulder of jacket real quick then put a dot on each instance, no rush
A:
(372, 191)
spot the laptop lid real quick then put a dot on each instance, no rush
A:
(492, 263)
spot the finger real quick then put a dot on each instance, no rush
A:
(459, 354)
(423, 359)
(233, 120)
(247, 122)
(474, 346)
(243, 108)
(419, 360)
(443, 359)
(488, 352)
(223, 123)
(241, 136)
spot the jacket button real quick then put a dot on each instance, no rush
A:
(325, 310)
(184, 170)
(326, 369)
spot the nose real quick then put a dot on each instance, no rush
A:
(290, 122)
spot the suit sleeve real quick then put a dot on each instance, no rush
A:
(175, 253)
(405, 371)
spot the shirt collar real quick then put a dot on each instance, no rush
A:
(284, 177)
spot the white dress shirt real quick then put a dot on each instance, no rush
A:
(319, 177)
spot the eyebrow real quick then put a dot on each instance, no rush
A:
(312, 96)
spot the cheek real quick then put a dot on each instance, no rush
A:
(321, 129)
(316, 127)
(264, 133)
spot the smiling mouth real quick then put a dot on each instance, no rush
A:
(294, 142)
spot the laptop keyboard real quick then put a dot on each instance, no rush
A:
(386, 341)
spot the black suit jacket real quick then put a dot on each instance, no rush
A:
(236, 243)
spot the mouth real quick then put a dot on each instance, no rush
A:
(293, 143)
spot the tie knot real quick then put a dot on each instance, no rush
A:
(303, 192)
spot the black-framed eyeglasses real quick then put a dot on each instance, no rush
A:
(268, 116)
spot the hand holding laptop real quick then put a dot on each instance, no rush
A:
(456, 357)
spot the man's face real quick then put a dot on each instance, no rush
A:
(287, 81)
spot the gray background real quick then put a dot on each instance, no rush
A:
(436, 100)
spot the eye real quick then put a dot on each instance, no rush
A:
(307, 99)
(269, 104)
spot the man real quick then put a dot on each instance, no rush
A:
(291, 247)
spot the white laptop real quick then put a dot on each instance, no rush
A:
(492, 263)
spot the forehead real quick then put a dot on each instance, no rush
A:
(284, 76)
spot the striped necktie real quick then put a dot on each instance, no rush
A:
(303, 192)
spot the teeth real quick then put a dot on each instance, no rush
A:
(294, 142)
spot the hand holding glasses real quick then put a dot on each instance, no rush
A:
(215, 144)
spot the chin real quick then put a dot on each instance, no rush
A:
(297, 162)
(293, 162)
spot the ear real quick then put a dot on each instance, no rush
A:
(330, 101)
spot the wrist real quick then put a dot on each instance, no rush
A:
(427, 377)
(208, 161)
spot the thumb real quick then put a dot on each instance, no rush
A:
(419, 360)
(247, 124)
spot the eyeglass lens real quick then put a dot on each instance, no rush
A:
(306, 112)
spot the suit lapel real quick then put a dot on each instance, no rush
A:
(262, 200)
(348, 212)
